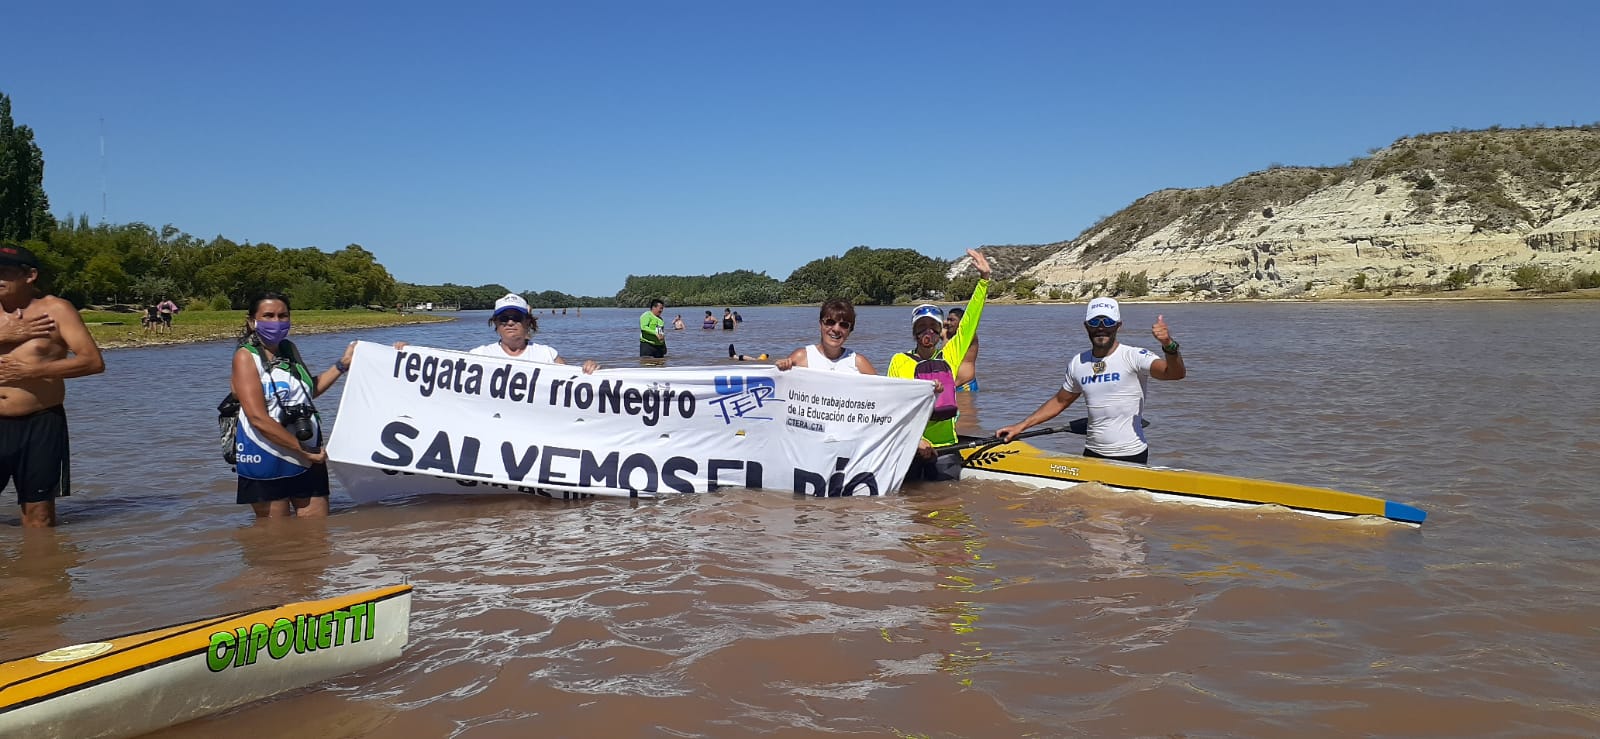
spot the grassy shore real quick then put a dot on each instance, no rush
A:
(113, 330)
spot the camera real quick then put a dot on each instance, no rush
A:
(297, 419)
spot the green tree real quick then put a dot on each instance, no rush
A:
(870, 276)
(1132, 285)
(24, 207)
(1528, 276)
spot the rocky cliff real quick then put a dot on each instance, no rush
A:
(1430, 212)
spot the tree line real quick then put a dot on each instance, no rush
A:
(135, 263)
(865, 275)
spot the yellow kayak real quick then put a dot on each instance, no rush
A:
(138, 683)
(1024, 463)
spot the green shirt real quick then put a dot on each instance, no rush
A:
(650, 326)
(943, 433)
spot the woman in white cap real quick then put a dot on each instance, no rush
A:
(513, 323)
(1112, 377)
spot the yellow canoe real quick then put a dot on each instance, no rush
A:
(138, 683)
(1024, 463)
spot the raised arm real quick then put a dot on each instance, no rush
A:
(1170, 365)
(332, 374)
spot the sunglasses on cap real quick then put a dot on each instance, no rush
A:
(840, 322)
(1101, 322)
(511, 316)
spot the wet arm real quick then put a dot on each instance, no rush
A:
(796, 358)
(864, 366)
(1047, 410)
(1169, 367)
(332, 374)
(969, 366)
(85, 356)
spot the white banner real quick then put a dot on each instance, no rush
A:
(422, 420)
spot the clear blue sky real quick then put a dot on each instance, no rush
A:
(565, 145)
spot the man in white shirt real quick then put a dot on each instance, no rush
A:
(1112, 379)
(513, 322)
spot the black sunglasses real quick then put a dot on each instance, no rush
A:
(840, 322)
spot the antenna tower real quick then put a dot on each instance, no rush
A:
(102, 170)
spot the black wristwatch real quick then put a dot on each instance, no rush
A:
(1170, 347)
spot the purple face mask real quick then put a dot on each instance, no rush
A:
(272, 332)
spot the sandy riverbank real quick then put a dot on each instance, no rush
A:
(117, 333)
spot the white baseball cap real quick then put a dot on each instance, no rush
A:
(511, 301)
(1104, 307)
(927, 310)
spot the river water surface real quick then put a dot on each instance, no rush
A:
(971, 609)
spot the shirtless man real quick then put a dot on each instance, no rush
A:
(42, 343)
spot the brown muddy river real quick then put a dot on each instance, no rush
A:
(972, 609)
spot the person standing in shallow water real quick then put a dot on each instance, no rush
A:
(513, 325)
(281, 464)
(952, 326)
(949, 366)
(43, 342)
(652, 331)
(1111, 377)
(835, 322)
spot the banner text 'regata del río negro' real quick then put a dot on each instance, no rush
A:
(421, 420)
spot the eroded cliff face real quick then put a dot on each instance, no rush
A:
(1478, 204)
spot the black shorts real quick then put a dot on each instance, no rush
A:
(313, 483)
(942, 468)
(647, 349)
(34, 453)
(166, 319)
(1140, 458)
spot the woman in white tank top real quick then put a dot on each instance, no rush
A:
(835, 322)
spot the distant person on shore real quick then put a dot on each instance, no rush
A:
(167, 310)
(835, 322)
(745, 357)
(727, 319)
(652, 333)
(151, 318)
(1112, 377)
(947, 366)
(43, 342)
(952, 325)
(677, 323)
(710, 321)
(282, 466)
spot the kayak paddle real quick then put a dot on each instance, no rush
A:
(1077, 426)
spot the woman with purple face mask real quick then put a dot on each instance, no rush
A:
(282, 467)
